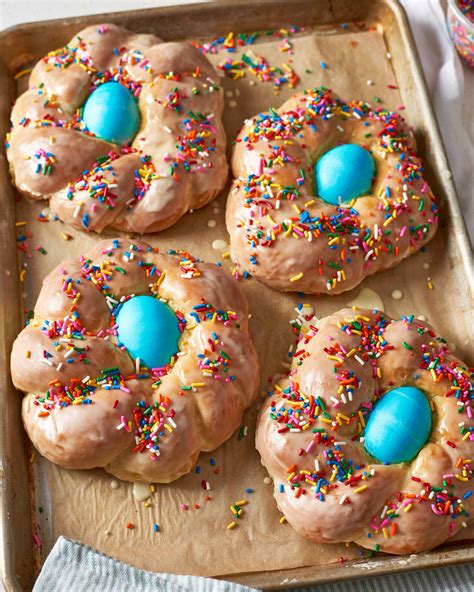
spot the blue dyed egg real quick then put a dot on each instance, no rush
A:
(399, 425)
(111, 113)
(149, 329)
(344, 173)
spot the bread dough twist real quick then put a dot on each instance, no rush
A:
(310, 435)
(286, 236)
(175, 163)
(89, 404)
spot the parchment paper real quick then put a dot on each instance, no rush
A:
(84, 506)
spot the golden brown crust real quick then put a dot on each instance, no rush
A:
(83, 390)
(398, 508)
(291, 240)
(178, 155)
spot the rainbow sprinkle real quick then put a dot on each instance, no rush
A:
(151, 422)
(258, 66)
(46, 161)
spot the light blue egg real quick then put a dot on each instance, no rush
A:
(399, 425)
(111, 113)
(149, 329)
(344, 173)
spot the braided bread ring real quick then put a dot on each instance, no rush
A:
(326, 484)
(176, 161)
(68, 355)
(291, 240)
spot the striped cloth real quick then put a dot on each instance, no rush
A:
(73, 567)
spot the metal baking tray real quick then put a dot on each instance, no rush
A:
(19, 560)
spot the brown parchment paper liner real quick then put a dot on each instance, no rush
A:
(85, 507)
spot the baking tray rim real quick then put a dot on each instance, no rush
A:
(386, 563)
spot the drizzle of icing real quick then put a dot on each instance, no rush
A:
(368, 299)
(220, 245)
(141, 491)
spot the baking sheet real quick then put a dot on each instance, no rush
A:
(87, 506)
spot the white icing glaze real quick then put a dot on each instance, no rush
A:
(141, 491)
(369, 299)
(220, 245)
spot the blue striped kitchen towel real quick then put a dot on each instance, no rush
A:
(73, 567)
